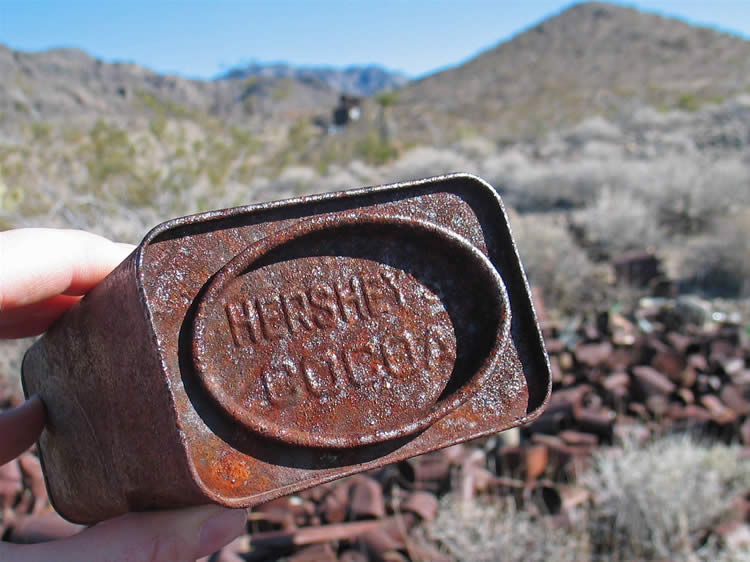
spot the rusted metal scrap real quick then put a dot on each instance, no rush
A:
(240, 355)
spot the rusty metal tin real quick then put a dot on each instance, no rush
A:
(240, 355)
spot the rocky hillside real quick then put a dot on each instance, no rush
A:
(69, 84)
(592, 58)
(357, 80)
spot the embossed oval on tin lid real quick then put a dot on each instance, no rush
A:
(346, 330)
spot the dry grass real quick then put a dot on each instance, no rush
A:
(718, 262)
(651, 503)
(656, 502)
(497, 530)
(620, 221)
(11, 354)
(556, 265)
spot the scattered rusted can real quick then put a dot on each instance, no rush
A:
(240, 355)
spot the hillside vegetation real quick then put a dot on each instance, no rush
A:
(593, 58)
(606, 130)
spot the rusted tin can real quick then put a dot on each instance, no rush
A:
(240, 355)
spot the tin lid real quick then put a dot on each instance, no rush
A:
(350, 329)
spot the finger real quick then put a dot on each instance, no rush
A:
(40, 263)
(185, 534)
(20, 427)
(35, 318)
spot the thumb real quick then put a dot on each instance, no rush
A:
(180, 535)
(20, 427)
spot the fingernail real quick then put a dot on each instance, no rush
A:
(221, 529)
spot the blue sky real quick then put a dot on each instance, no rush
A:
(203, 39)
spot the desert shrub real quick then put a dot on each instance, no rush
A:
(295, 180)
(73, 135)
(387, 99)
(475, 148)
(690, 193)
(593, 129)
(656, 502)
(110, 152)
(530, 187)
(422, 162)
(217, 161)
(364, 173)
(283, 91)
(714, 552)
(687, 192)
(164, 107)
(142, 190)
(619, 221)
(496, 530)
(158, 126)
(328, 156)
(688, 102)
(652, 502)
(300, 133)
(40, 131)
(337, 179)
(373, 148)
(557, 266)
(10, 199)
(718, 263)
(244, 139)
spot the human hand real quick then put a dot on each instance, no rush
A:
(43, 272)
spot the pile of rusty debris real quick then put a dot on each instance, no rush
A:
(671, 365)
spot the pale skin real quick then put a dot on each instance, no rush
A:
(43, 272)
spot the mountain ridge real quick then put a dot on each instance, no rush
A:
(590, 59)
(361, 80)
(69, 82)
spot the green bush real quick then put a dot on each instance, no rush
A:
(282, 91)
(40, 131)
(110, 153)
(217, 161)
(244, 139)
(374, 149)
(163, 108)
(158, 126)
(387, 99)
(688, 102)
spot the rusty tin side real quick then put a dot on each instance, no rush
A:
(111, 443)
(244, 354)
